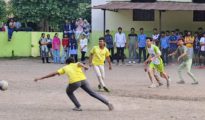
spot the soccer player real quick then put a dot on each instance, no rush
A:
(186, 61)
(156, 62)
(146, 66)
(98, 54)
(76, 79)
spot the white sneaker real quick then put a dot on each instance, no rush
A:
(133, 62)
(130, 62)
(152, 86)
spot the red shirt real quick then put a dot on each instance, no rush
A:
(65, 42)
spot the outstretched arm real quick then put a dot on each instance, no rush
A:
(82, 65)
(47, 76)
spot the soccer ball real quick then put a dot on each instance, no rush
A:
(3, 85)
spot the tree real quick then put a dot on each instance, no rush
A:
(2, 10)
(49, 12)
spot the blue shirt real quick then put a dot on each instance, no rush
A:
(142, 40)
(109, 41)
(164, 42)
(173, 46)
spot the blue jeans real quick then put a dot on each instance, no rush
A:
(56, 56)
(65, 55)
(10, 32)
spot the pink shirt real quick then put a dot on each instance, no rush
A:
(56, 43)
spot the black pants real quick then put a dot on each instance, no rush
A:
(75, 56)
(83, 56)
(85, 86)
(142, 49)
(112, 53)
(120, 54)
(165, 55)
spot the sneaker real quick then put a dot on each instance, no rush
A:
(181, 82)
(160, 84)
(133, 62)
(106, 90)
(152, 86)
(169, 79)
(99, 87)
(168, 83)
(77, 109)
(110, 106)
(195, 83)
(129, 62)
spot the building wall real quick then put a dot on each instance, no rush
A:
(170, 19)
(23, 44)
(157, 0)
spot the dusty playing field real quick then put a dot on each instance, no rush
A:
(132, 99)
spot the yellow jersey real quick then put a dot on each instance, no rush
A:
(189, 39)
(99, 55)
(74, 73)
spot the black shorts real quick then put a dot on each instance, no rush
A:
(202, 53)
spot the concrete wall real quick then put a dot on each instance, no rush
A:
(157, 0)
(23, 44)
(170, 19)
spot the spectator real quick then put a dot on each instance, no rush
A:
(177, 34)
(202, 51)
(83, 47)
(49, 46)
(142, 44)
(18, 25)
(87, 28)
(196, 48)
(68, 28)
(65, 44)
(164, 41)
(155, 37)
(79, 29)
(11, 28)
(56, 48)
(3, 27)
(73, 48)
(109, 44)
(44, 48)
(173, 45)
(200, 31)
(132, 45)
(189, 41)
(120, 43)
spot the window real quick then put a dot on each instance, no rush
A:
(143, 0)
(143, 15)
(198, 1)
(199, 16)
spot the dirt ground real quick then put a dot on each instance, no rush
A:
(130, 95)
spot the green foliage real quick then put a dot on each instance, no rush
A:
(53, 11)
(2, 10)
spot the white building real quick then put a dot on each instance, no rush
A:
(161, 14)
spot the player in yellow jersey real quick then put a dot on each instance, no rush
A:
(77, 79)
(98, 54)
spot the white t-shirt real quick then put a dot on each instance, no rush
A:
(120, 39)
(84, 42)
(202, 40)
(153, 51)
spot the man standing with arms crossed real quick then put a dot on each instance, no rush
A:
(98, 54)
